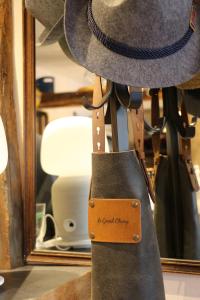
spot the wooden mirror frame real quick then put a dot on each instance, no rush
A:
(55, 257)
(34, 256)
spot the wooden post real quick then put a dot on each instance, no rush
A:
(11, 246)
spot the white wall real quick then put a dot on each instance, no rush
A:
(177, 286)
(182, 287)
(52, 61)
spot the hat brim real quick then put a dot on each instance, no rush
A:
(192, 84)
(63, 45)
(91, 54)
(52, 35)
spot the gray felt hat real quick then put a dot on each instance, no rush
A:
(50, 14)
(192, 84)
(147, 43)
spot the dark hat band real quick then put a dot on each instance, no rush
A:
(133, 52)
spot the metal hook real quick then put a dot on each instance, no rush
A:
(122, 94)
(132, 100)
(105, 98)
(172, 112)
(157, 129)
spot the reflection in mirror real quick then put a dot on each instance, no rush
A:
(63, 132)
(64, 147)
(51, 106)
(174, 168)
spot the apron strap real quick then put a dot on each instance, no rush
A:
(98, 121)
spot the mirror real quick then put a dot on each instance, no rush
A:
(55, 103)
(63, 149)
(55, 87)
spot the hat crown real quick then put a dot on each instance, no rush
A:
(144, 24)
(47, 12)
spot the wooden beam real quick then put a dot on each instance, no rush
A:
(72, 99)
(64, 99)
(11, 254)
(29, 134)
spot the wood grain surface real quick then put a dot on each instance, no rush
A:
(11, 254)
(77, 289)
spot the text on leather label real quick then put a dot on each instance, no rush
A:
(115, 220)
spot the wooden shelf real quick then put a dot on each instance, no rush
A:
(70, 99)
(64, 99)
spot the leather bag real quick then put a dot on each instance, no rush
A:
(176, 214)
(191, 99)
(123, 270)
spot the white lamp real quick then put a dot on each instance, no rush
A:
(3, 161)
(66, 147)
(66, 152)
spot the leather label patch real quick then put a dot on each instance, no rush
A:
(115, 220)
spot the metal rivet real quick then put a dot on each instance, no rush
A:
(135, 204)
(136, 237)
(91, 203)
(92, 235)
